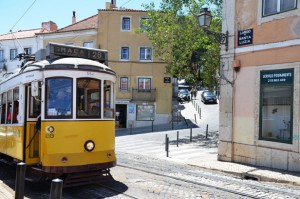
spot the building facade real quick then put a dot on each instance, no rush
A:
(260, 90)
(144, 90)
(22, 41)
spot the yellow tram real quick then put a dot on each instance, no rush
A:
(57, 115)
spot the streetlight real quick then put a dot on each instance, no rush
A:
(204, 19)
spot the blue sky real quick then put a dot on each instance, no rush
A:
(29, 14)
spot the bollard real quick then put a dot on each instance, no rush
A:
(167, 145)
(191, 135)
(172, 124)
(206, 131)
(152, 126)
(200, 113)
(20, 178)
(195, 118)
(177, 137)
(56, 189)
(130, 129)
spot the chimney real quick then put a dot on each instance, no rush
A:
(49, 26)
(73, 18)
(110, 5)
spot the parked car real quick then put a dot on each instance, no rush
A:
(184, 95)
(208, 97)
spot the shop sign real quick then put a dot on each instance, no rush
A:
(245, 37)
(282, 76)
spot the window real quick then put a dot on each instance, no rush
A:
(144, 83)
(13, 54)
(88, 44)
(125, 53)
(28, 51)
(3, 108)
(271, 7)
(123, 83)
(145, 53)
(276, 105)
(108, 99)
(1, 55)
(126, 23)
(88, 98)
(144, 23)
(145, 112)
(59, 97)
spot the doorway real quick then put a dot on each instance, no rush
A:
(121, 116)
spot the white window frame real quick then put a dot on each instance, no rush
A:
(2, 57)
(125, 29)
(278, 9)
(121, 53)
(28, 50)
(13, 53)
(142, 27)
(144, 83)
(147, 56)
(127, 83)
(88, 44)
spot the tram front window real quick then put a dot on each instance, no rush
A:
(59, 97)
(88, 98)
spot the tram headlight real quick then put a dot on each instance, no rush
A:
(89, 145)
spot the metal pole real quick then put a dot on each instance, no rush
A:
(56, 189)
(172, 124)
(195, 118)
(152, 125)
(130, 129)
(20, 178)
(206, 130)
(167, 145)
(177, 137)
(191, 135)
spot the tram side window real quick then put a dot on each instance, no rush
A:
(15, 105)
(88, 98)
(3, 108)
(108, 99)
(9, 107)
(59, 97)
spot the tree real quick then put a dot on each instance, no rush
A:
(178, 40)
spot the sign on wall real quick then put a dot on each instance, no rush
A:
(277, 76)
(245, 37)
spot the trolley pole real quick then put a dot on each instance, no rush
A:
(20, 178)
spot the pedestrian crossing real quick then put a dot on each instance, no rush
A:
(185, 152)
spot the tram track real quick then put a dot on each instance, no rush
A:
(225, 183)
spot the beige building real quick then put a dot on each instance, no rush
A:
(81, 33)
(144, 91)
(260, 91)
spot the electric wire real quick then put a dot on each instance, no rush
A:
(23, 15)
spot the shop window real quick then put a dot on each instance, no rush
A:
(276, 105)
(145, 112)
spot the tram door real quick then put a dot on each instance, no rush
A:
(32, 112)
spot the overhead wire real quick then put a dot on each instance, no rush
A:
(23, 15)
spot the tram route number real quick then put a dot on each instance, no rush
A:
(49, 135)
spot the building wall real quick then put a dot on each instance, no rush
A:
(112, 38)
(275, 46)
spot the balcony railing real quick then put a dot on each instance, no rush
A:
(143, 95)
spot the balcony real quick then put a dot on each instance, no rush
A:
(145, 95)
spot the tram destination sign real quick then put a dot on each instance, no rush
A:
(281, 76)
(245, 37)
(55, 51)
